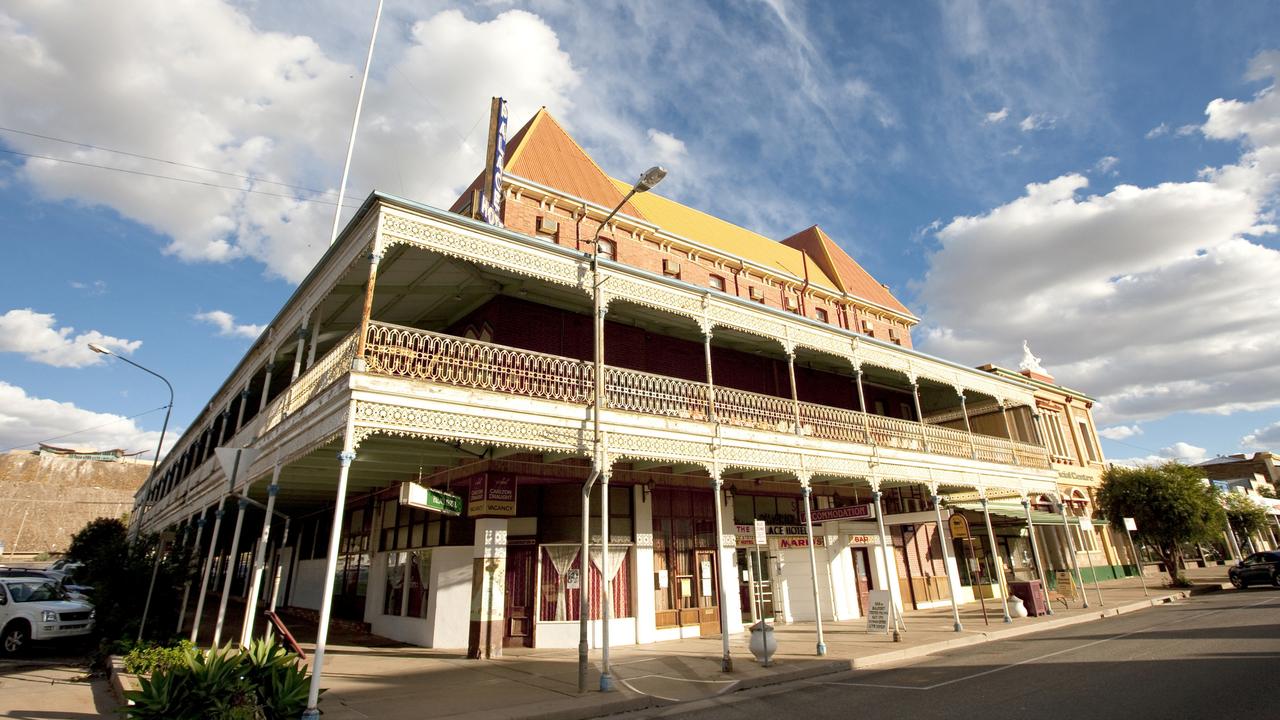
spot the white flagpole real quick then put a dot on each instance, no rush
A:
(355, 125)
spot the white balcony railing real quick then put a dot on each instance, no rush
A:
(424, 355)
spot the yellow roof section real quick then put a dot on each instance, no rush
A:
(713, 232)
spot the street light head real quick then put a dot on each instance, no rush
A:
(99, 349)
(650, 177)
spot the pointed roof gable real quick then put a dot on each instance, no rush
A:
(543, 152)
(847, 273)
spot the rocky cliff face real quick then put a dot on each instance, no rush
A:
(45, 499)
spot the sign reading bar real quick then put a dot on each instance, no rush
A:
(848, 512)
(492, 495)
(959, 526)
(1130, 525)
(415, 495)
(878, 611)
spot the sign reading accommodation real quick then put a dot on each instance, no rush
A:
(415, 495)
(848, 512)
(492, 495)
(878, 611)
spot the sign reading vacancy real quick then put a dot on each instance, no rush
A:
(492, 495)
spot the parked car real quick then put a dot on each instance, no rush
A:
(64, 567)
(1258, 569)
(38, 608)
(68, 583)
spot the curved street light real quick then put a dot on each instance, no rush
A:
(168, 409)
(648, 179)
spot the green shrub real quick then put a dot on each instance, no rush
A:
(147, 658)
(261, 682)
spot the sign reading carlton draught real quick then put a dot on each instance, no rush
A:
(415, 495)
(848, 512)
(959, 526)
(492, 495)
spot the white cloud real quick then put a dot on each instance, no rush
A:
(1120, 432)
(1263, 438)
(1014, 152)
(997, 117)
(198, 83)
(1107, 165)
(227, 325)
(26, 420)
(35, 336)
(1182, 452)
(1037, 121)
(1158, 131)
(97, 287)
(1185, 130)
(1155, 299)
(667, 150)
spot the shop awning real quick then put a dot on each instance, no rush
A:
(1014, 510)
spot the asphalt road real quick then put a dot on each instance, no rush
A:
(1214, 656)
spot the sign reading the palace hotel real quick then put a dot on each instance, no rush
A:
(492, 495)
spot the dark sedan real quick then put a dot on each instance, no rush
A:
(1258, 569)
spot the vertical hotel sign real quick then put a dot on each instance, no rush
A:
(491, 200)
(492, 496)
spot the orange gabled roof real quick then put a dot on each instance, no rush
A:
(847, 273)
(543, 152)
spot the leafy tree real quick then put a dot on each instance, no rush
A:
(1267, 491)
(1247, 517)
(120, 573)
(1171, 504)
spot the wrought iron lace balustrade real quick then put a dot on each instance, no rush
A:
(424, 355)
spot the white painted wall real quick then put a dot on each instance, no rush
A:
(643, 601)
(729, 568)
(622, 631)
(449, 613)
(798, 578)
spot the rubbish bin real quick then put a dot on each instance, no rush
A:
(1032, 594)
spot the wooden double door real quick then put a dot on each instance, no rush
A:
(518, 613)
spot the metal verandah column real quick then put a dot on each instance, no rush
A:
(915, 396)
(886, 552)
(251, 602)
(813, 562)
(726, 662)
(995, 559)
(231, 566)
(711, 384)
(297, 352)
(1035, 550)
(208, 568)
(1008, 428)
(345, 458)
(1071, 547)
(946, 560)
(199, 524)
(795, 397)
(862, 404)
(964, 410)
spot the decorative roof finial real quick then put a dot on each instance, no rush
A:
(1030, 362)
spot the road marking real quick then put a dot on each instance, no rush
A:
(1038, 658)
(729, 685)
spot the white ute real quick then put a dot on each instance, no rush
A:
(33, 608)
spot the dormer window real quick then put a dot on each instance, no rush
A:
(821, 315)
(756, 294)
(671, 269)
(716, 282)
(793, 305)
(607, 249)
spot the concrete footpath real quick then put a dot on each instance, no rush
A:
(406, 682)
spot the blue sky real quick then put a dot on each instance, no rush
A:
(1098, 179)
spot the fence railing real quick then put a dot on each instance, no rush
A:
(424, 355)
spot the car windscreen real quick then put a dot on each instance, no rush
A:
(35, 590)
